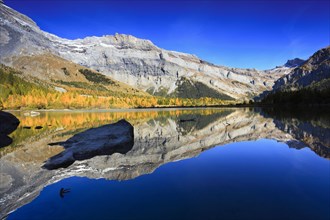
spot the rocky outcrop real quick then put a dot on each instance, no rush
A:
(296, 62)
(8, 124)
(313, 76)
(136, 62)
(104, 140)
(315, 69)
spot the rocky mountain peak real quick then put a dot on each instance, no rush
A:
(129, 41)
(315, 69)
(320, 56)
(294, 63)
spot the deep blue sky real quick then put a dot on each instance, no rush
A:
(250, 34)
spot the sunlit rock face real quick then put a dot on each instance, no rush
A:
(134, 61)
(160, 137)
(315, 69)
(311, 76)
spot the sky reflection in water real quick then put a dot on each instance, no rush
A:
(259, 180)
(241, 178)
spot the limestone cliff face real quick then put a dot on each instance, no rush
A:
(140, 63)
(134, 61)
(19, 34)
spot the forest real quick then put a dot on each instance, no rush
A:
(315, 94)
(17, 93)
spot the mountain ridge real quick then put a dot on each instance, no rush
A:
(296, 62)
(136, 62)
(316, 68)
(307, 83)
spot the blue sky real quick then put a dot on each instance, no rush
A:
(239, 33)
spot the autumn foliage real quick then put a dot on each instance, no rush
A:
(16, 93)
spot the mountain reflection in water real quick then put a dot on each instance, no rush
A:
(161, 136)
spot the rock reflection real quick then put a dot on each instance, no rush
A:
(160, 137)
(309, 127)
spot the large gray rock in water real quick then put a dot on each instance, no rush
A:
(104, 140)
(8, 124)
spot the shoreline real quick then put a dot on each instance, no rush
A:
(160, 108)
(115, 109)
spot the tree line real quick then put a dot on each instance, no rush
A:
(16, 93)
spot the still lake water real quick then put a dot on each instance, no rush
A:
(185, 164)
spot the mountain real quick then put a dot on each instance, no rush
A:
(136, 62)
(315, 69)
(294, 63)
(62, 73)
(308, 83)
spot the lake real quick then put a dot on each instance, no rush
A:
(207, 163)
